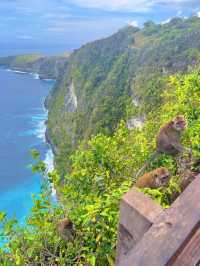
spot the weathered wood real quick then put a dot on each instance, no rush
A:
(168, 235)
(190, 255)
(137, 214)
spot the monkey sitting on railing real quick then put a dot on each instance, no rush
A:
(155, 179)
(168, 141)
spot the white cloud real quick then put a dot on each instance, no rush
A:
(57, 15)
(56, 29)
(198, 14)
(166, 21)
(26, 37)
(116, 5)
(133, 23)
(179, 13)
(129, 5)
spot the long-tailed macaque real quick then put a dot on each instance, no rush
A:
(168, 140)
(65, 229)
(157, 178)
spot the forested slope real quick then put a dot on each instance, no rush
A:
(151, 72)
(104, 78)
(48, 67)
(89, 195)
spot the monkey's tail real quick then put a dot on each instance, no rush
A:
(146, 164)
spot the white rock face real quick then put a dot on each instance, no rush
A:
(136, 123)
(71, 101)
(136, 102)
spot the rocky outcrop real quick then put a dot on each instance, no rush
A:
(136, 123)
(49, 141)
(71, 101)
(136, 102)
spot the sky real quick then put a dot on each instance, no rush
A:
(56, 25)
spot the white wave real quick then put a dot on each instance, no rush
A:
(16, 71)
(49, 161)
(36, 75)
(40, 130)
(39, 123)
(49, 80)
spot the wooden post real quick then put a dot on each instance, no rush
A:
(137, 214)
(174, 236)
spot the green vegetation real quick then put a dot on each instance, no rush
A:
(20, 59)
(89, 194)
(96, 154)
(107, 75)
(26, 58)
(46, 66)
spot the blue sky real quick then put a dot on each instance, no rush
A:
(71, 23)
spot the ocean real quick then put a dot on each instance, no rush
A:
(22, 128)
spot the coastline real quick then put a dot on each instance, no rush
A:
(30, 71)
(49, 141)
(23, 126)
(49, 156)
(25, 71)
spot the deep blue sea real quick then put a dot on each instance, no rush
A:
(22, 127)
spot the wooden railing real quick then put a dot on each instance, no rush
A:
(151, 236)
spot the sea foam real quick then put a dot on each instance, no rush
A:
(36, 75)
(16, 71)
(49, 162)
(40, 133)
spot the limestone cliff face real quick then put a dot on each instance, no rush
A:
(71, 101)
(137, 122)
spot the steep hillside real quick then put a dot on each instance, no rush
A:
(106, 80)
(130, 75)
(48, 67)
(89, 195)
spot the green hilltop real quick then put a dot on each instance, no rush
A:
(48, 67)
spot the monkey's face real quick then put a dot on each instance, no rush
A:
(179, 123)
(162, 177)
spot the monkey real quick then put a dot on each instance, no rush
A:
(65, 229)
(155, 179)
(168, 141)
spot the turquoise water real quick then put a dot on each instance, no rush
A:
(22, 127)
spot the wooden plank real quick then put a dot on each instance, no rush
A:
(190, 255)
(137, 214)
(169, 233)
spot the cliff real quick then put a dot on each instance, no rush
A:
(109, 74)
(48, 67)
(126, 76)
